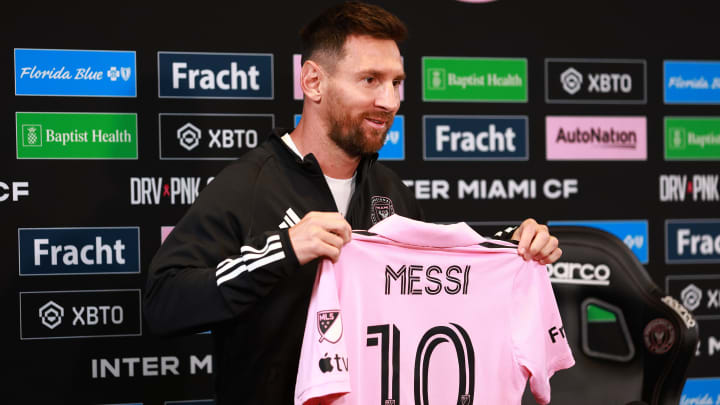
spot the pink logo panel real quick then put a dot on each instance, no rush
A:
(164, 232)
(297, 90)
(297, 65)
(595, 138)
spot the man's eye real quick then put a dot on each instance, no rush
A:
(397, 83)
(369, 80)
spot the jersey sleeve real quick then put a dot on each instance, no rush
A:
(209, 270)
(539, 341)
(323, 369)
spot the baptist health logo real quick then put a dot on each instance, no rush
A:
(692, 138)
(438, 78)
(32, 135)
(51, 314)
(474, 79)
(571, 80)
(65, 135)
(62, 72)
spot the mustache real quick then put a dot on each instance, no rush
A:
(380, 115)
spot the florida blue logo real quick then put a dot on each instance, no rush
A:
(634, 233)
(394, 147)
(692, 241)
(474, 137)
(66, 251)
(692, 82)
(215, 75)
(701, 391)
(60, 72)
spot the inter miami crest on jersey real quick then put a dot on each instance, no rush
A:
(380, 208)
(330, 325)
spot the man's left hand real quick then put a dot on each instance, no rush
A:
(536, 243)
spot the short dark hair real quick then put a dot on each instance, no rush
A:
(328, 32)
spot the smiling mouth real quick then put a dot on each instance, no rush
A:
(377, 122)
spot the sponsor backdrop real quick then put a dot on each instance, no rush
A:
(596, 114)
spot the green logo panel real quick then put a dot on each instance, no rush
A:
(475, 79)
(692, 138)
(76, 135)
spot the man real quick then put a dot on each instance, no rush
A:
(242, 263)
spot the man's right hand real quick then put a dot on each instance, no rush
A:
(319, 234)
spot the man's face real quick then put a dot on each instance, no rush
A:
(363, 94)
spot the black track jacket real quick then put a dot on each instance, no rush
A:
(228, 265)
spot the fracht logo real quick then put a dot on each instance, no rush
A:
(475, 79)
(468, 137)
(60, 72)
(692, 241)
(78, 251)
(215, 75)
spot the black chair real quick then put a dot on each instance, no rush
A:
(631, 343)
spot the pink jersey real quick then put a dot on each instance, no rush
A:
(429, 314)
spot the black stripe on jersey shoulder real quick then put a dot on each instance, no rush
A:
(493, 245)
(365, 233)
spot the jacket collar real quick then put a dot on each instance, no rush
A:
(309, 163)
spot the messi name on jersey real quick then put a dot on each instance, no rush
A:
(415, 279)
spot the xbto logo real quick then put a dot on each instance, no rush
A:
(51, 314)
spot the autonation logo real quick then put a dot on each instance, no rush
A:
(215, 75)
(63, 72)
(458, 137)
(596, 138)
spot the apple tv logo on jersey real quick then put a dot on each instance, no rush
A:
(326, 364)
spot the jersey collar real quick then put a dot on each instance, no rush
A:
(412, 232)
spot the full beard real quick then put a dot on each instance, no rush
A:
(348, 133)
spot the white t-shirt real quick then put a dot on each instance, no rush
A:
(341, 189)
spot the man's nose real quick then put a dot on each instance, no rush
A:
(388, 97)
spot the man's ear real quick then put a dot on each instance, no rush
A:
(311, 77)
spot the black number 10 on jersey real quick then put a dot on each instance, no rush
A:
(390, 372)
